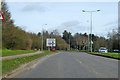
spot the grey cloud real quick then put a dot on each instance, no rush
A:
(34, 7)
(72, 26)
(110, 26)
(71, 23)
(112, 23)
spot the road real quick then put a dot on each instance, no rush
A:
(73, 65)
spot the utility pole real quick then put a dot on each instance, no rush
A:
(69, 41)
(90, 26)
(91, 32)
(88, 42)
(42, 38)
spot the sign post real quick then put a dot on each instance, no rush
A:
(50, 42)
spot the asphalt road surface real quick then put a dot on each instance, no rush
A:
(73, 65)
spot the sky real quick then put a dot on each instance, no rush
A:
(32, 16)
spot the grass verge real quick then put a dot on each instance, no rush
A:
(83, 50)
(0, 62)
(7, 52)
(69, 50)
(9, 65)
(114, 55)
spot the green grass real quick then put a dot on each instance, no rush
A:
(9, 65)
(0, 53)
(71, 50)
(0, 62)
(7, 52)
(114, 55)
(0, 68)
(84, 50)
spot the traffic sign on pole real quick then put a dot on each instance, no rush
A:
(50, 42)
(1, 16)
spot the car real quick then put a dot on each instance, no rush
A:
(103, 50)
(116, 50)
(95, 50)
(53, 49)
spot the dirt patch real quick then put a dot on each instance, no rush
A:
(18, 56)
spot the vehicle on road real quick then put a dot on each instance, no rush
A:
(103, 50)
(116, 50)
(53, 49)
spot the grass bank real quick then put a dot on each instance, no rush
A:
(9, 65)
(71, 50)
(7, 52)
(83, 50)
(114, 55)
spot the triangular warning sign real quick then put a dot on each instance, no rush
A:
(1, 16)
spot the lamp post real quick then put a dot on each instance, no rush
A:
(69, 41)
(90, 26)
(88, 42)
(42, 37)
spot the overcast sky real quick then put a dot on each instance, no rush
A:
(65, 16)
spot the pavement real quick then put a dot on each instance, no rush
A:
(73, 65)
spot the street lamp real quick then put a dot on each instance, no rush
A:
(69, 40)
(91, 27)
(42, 37)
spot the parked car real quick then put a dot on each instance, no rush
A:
(95, 50)
(53, 49)
(103, 50)
(116, 50)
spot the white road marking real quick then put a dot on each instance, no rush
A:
(78, 61)
(86, 66)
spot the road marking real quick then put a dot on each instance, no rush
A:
(88, 67)
(78, 61)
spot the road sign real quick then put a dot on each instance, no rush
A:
(50, 42)
(1, 16)
(91, 42)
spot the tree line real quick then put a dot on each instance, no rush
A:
(14, 37)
